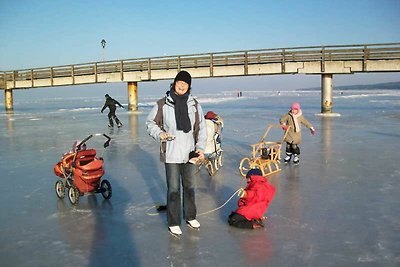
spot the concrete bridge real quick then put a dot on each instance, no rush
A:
(322, 60)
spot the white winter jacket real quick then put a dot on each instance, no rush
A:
(177, 150)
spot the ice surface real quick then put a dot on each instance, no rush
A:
(339, 207)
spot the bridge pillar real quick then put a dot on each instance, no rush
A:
(132, 96)
(326, 96)
(8, 100)
(326, 93)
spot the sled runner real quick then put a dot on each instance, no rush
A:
(212, 163)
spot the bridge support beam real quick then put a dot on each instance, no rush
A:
(8, 100)
(327, 96)
(132, 96)
(326, 93)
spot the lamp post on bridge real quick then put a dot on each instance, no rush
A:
(103, 44)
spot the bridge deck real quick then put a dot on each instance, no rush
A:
(298, 60)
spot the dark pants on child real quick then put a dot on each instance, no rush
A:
(175, 174)
(238, 220)
(292, 149)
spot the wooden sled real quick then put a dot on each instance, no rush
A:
(265, 155)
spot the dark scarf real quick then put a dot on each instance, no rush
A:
(181, 111)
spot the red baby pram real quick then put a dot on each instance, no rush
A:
(81, 172)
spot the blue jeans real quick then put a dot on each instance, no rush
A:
(175, 174)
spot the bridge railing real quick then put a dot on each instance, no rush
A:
(362, 52)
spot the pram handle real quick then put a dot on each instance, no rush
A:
(106, 144)
(83, 142)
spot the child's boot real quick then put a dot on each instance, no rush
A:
(296, 159)
(288, 157)
(257, 223)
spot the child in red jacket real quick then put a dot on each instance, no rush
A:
(254, 201)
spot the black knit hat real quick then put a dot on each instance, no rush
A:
(184, 76)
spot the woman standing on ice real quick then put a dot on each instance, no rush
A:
(177, 121)
(294, 119)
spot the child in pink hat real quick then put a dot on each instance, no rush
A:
(294, 118)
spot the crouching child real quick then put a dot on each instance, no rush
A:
(254, 201)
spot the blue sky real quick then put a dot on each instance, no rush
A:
(42, 33)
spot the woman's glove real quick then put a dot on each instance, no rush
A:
(313, 131)
(164, 136)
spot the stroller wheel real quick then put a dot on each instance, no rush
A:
(106, 189)
(73, 195)
(60, 189)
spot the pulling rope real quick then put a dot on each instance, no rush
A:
(221, 205)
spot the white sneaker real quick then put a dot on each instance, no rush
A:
(193, 224)
(175, 230)
(296, 159)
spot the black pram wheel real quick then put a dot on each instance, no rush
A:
(60, 189)
(106, 189)
(73, 195)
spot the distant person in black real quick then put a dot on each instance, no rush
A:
(111, 104)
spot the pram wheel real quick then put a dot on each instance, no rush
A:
(73, 195)
(60, 189)
(106, 189)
